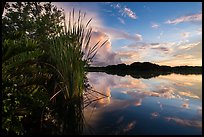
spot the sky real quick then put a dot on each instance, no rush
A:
(165, 33)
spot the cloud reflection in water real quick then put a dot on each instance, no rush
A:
(175, 98)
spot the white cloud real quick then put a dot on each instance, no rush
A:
(155, 26)
(129, 12)
(184, 41)
(105, 55)
(189, 18)
(138, 36)
(121, 20)
(160, 35)
(119, 34)
(117, 6)
(124, 10)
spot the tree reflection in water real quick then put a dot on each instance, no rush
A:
(67, 118)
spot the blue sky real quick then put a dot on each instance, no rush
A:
(166, 33)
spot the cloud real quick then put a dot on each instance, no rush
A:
(141, 51)
(188, 46)
(129, 57)
(121, 20)
(184, 56)
(129, 12)
(144, 45)
(188, 94)
(160, 105)
(119, 34)
(185, 34)
(123, 10)
(163, 49)
(154, 114)
(164, 53)
(154, 43)
(105, 55)
(138, 36)
(138, 102)
(199, 31)
(132, 83)
(128, 54)
(199, 110)
(188, 18)
(182, 61)
(185, 122)
(183, 41)
(136, 46)
(160, 35)
(162, 92)
(129, 126)
(103, 85)
(185, 105)
(183, 53)
(155, 26)
(84, 8)
(115, 6)
(111, 58)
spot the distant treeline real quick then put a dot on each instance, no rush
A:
(146, 69)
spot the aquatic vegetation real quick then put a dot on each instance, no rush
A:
(70, 53)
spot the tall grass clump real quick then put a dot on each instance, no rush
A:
(70, 54)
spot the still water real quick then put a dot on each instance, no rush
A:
(167, 104)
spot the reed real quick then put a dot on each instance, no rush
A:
(71, 53)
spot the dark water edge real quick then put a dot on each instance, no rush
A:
(145, 73)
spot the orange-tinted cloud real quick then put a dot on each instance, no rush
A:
(105, 56)
(188, 94)
(185, 122)
(185, 105)
(188, 46)
(138, 102)
(129, 126)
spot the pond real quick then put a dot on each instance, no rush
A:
(167, 104)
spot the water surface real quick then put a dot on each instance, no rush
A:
(170, 104)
